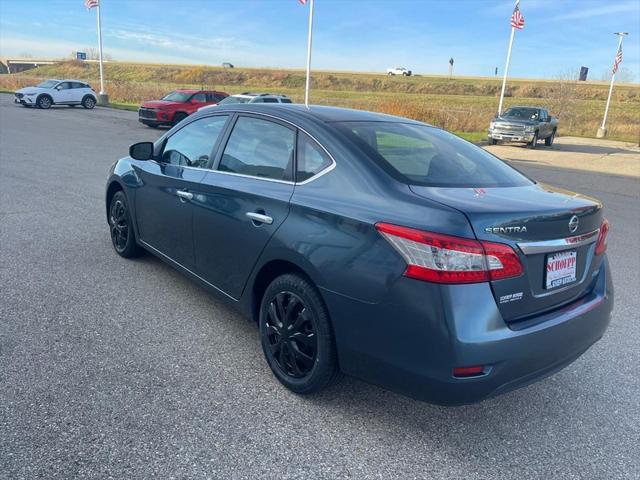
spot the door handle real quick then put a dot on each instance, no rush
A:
(184, 195)
(259, 218)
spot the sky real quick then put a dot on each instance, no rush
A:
(352, 35)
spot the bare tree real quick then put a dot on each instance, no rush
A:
(561, 95)
(623, 75)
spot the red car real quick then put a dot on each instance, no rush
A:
(177, 106)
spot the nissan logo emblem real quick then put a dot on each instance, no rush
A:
(573, 224)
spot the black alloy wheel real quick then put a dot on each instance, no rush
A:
(291, 335)
(296, 335)
(122, 234)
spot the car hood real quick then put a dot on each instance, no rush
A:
(27, 90)
(160, 104)
(515, 121)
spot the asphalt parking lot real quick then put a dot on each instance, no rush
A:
(126, 369)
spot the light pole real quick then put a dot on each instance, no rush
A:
(602, 131)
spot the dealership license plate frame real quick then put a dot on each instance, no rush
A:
(564, 276)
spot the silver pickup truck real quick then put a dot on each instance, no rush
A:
(524, 124)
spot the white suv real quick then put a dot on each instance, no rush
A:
(248, 97)
(57, 92)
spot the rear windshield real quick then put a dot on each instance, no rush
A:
(233, 99)
(423, 155)
(178, 97)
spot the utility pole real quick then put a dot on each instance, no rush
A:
(602, 131)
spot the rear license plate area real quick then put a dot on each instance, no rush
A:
(560, 269)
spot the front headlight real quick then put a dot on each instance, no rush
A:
(492, 125)
(29, 94)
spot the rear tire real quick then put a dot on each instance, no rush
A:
(296, 335)
(549, 140)
(493, 141)
(533, 143)
(44, 102)
(123, 237)
(178, 117)
(88, 102)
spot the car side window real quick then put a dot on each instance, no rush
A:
(218, 97)
(64, 86)
(258, 100)
(270, 100)
(77, 85)
(191, 146)
(312, 159)
(259, 148)
(199, 97)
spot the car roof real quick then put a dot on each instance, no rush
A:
(322, 113)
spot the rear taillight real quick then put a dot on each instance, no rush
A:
(439, 258)
(601, 245)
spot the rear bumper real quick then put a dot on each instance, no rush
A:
(412, 341)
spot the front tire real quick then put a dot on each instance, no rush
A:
(296, 335)
(178, 117)
(44, 102)
(549, 140)
(88, 102)
(121, 227)
(533, 143)
(493, 141)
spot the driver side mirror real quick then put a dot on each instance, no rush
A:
(141, 151)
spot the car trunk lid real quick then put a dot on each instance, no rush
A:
(553, 231)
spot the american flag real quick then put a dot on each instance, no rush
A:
(517, 20)
(303, 2)
(89, 4)
(617, 61)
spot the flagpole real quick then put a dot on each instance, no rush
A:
(310, 35)
(602, 131)
(506, 68)
(100, 52)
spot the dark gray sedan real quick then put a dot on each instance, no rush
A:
(372, 245)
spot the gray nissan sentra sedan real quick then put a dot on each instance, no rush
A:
(372, 245)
